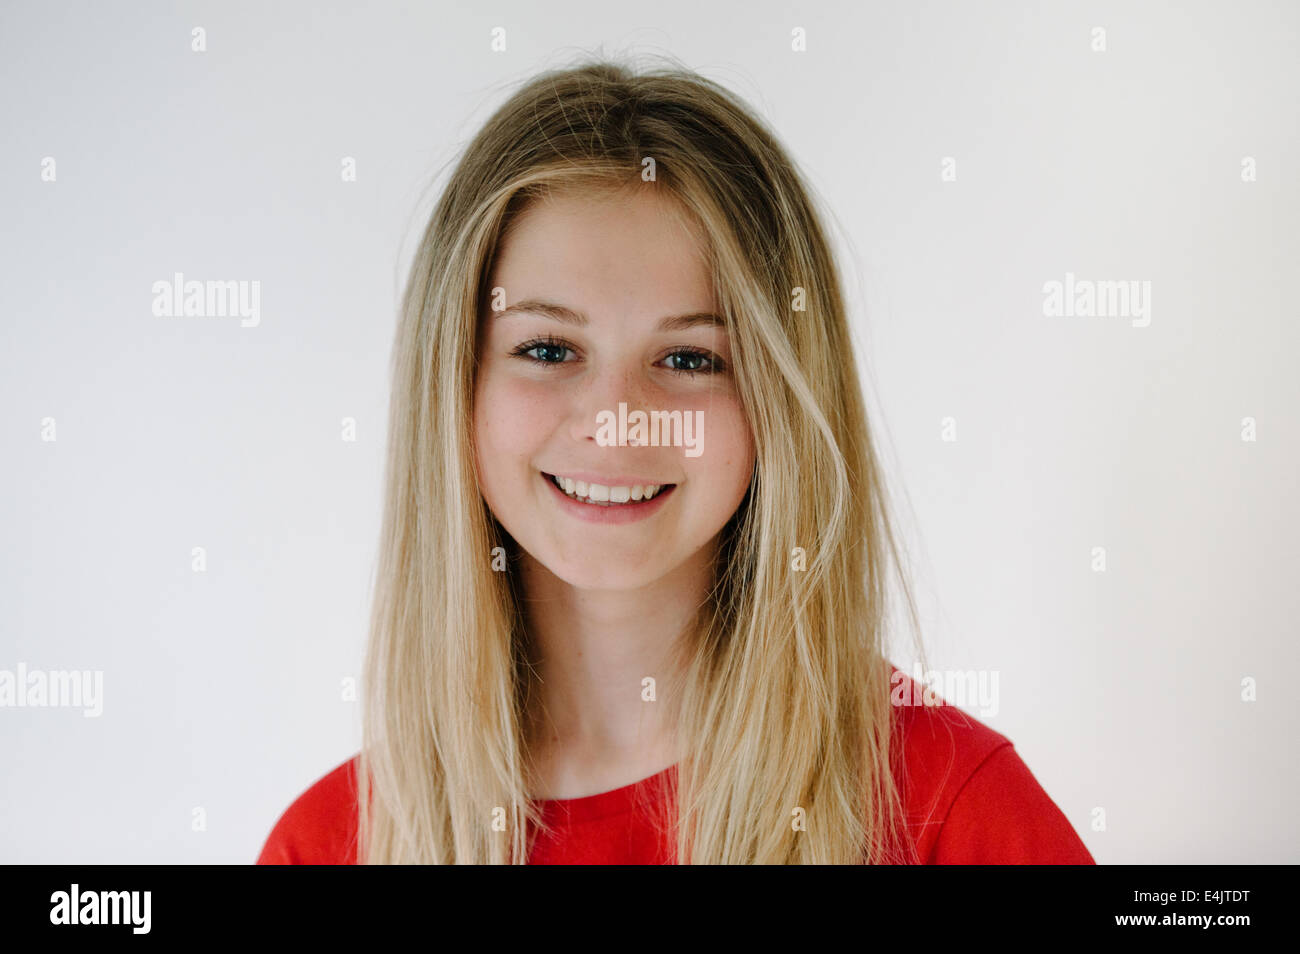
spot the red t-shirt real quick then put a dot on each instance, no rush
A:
(967, 795)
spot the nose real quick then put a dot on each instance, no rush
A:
(600, 393)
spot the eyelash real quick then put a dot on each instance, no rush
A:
(716, 363)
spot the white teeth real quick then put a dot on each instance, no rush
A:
(605, 496)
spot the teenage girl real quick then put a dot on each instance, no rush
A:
(587, 643)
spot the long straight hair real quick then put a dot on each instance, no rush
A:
(783, 711)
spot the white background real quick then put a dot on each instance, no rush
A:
(222, 690)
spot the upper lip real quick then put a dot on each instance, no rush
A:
(617, 480)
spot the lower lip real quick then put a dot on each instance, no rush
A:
(615, 513)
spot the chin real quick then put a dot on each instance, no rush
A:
(596, 571)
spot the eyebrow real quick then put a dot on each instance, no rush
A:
(571, 316)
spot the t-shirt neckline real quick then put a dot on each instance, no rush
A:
(603, 804)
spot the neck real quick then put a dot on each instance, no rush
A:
(592, 650)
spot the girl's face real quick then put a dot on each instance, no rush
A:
(601, 302)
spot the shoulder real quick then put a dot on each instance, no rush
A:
(968, 796)
(320, 827)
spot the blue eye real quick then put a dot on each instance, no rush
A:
(552, 351)
(551, 347)
(695, 358)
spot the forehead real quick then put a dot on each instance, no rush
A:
(631, 251)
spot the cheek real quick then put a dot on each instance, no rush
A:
(727, 463)
(512, 418)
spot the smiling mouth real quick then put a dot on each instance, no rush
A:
(599, 495)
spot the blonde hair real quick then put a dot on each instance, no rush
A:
(785, 701)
